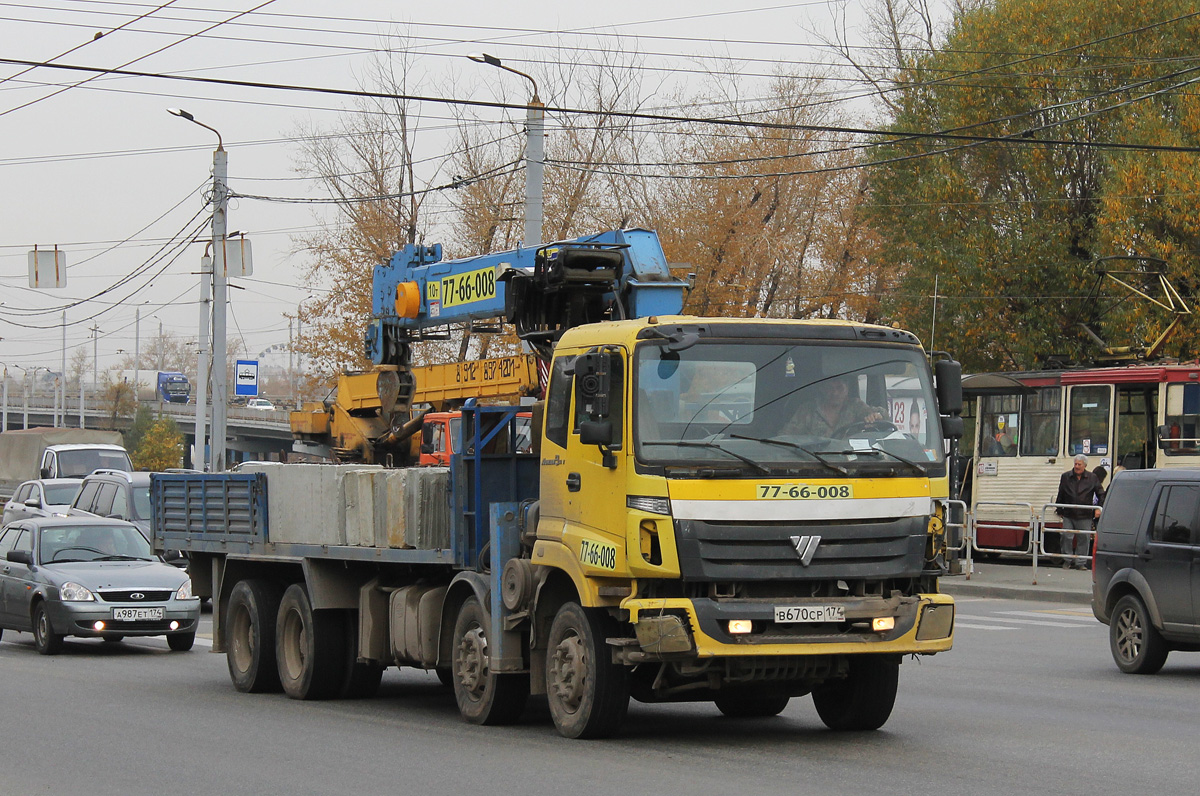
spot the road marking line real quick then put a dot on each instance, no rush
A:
(957, 625)
(1022, 621)
(1074, 617)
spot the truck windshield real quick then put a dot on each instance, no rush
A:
(822, 409)
(78, 463)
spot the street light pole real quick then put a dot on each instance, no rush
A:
(535, 145)
(220, 202)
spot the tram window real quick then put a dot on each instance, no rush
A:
(1183, 419)
(968, 416)
(1039, 419)
(1089, 420)
(1000, 419)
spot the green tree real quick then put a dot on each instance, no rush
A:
(160, 447)
(143, 419)
(1012, 230)
(117, 398)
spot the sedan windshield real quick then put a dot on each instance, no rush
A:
(61, 494)
(62, 544)
(821, 408)
(141, 503)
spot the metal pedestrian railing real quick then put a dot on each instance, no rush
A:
(1035, 524)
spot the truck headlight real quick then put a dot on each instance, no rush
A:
(72, 592)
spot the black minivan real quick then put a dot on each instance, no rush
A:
(1146, 574)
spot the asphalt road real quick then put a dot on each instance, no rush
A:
(1029, 701)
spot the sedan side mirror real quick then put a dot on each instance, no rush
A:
(21, 557)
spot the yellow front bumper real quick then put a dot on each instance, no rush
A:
(930, 630)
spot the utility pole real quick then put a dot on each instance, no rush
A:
(206, 272)
(535, 139)
(95, 330)
(220, 397)
(220, 203)
(62, 373)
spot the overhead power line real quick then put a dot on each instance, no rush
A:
(1019, 138)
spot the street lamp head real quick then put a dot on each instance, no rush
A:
(484, 58)
(182, 114)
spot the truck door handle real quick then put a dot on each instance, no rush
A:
(574, 482)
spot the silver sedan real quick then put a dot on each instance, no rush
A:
(76, 576)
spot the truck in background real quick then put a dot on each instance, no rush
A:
(158, 385)
(57, 453)
(669, 537)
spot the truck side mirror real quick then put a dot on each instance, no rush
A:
(1164, 436)
(593, 382)
(948, 374)
(596, 432)
(45, 473)
(953, 427)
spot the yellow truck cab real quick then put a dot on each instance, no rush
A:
(678, 492)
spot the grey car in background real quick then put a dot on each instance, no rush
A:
(41, 497)
(98, 578)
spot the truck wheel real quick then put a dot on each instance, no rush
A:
(1137, 647)
(863, 700)
(483, 696)
(250, 636)
(751, 706)
(309, 647)
(361, 680)
(588, 694)
(44, 638)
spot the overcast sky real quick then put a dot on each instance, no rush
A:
(104, 172)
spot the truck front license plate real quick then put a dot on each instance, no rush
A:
(137, 614)
(809, 613)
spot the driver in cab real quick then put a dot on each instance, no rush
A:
(833, 405)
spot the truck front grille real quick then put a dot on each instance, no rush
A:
(739, 552)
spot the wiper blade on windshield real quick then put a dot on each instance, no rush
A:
(122, 558)
(688, 443)
(920, 468)
(818, 457)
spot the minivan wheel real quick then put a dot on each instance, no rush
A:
(1137, 647)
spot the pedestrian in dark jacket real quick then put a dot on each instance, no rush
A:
(1078, 487)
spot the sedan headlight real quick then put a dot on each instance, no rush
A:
(72, 592)
(184, 592)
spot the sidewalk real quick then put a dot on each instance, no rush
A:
(1013, 579)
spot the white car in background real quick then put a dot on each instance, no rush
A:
(41, 497)
(260, 403)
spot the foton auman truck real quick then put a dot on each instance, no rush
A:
(680, 531)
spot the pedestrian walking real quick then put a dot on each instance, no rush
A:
(1080, 495)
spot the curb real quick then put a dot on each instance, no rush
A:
(1045, 594)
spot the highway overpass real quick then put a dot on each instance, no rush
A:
(251, 433)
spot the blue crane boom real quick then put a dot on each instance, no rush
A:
(543, 291)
